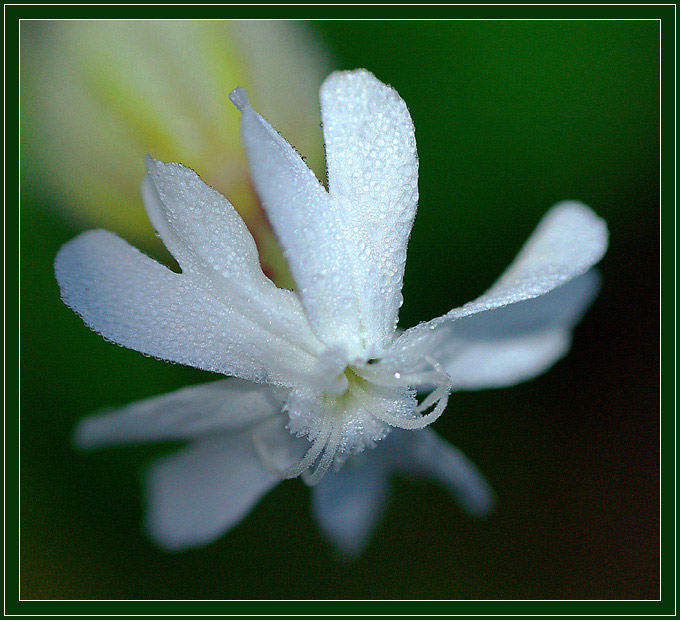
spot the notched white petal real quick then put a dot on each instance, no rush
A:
(372, 167)
(198, 225)
(346, 248)
(308, 228)
(134, 301)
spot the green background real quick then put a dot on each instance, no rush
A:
(510, 118)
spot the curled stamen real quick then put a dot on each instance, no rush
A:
(407, 424)
(308, 459)
(305, 463)
(327, 458)
(437, 376)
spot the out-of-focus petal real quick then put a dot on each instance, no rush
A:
(160, 86)
(348, 503)
(134, 301)
(429, 455)
(569, 240)
(219, 406)
(196, 495)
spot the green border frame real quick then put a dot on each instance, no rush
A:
(665, 13)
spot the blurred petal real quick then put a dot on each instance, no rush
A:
(134, 301)
(373, 181)
(277, 447)
(433, 457)
(160, 86)
(196, 495)
(569, 240)
(348, 503)
(227, 405)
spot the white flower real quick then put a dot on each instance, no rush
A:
(320, 374)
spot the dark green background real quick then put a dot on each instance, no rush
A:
(510, 118)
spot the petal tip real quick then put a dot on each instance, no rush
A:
(239, 97)
(584, 215)
(84, 436)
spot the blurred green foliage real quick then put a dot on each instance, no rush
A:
(510, 118)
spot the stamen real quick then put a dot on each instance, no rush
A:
(439, 398)
(407, 424)
(327, 458)
(312, 454)
(398, 379)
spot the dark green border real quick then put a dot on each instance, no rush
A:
(666, 606)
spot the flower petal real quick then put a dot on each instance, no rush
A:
(348, 503)
(346, 249)
(429, 455)
(568, 241)
(219, 406)
(196, 495)
(134, 301)
(206, 235)
(372, 167)
(513, 343)
(308, 227)
(198, 225)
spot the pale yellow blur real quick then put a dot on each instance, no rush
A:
(98, 95)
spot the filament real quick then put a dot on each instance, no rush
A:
(438, 398)
(327, 458)
(312, 454)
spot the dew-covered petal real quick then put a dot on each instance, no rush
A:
(209, 240)
(198, 225)
(135, 302)
(569, 240)
(348, 503)
(513, 343)
(346, 250)
(197, 494)
(223, 406)
(309, 228)
(372, 166)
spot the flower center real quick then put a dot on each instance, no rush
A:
(363, 402)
